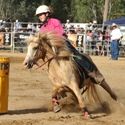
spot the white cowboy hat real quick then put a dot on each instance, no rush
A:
(114, 24)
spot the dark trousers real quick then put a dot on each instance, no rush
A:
(115, 49)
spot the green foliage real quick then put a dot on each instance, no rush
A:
(75, 10)
(87, 10)
(61, 9)
(117, 9)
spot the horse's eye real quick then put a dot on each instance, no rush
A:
(35, 48)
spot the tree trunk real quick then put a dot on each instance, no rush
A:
(105, 14)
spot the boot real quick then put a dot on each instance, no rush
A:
(108, 89)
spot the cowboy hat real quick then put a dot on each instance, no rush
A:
(114, 24)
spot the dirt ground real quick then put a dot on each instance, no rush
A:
(29, 100)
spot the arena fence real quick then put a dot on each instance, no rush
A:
(13, 36)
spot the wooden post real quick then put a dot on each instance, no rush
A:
(105, 14)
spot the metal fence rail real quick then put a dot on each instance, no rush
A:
(13, 36)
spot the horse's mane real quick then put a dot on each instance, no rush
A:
(53, 40)
(47, 37)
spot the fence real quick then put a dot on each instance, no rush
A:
(13, 35)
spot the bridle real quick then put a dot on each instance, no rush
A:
(41, 52)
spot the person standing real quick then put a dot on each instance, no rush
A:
(116, 35)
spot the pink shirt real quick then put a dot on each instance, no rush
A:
(53, 25)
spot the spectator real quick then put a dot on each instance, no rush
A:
(106, 41)
(99, 43)
(94, 41)
(29, 27)
(17, 26)
(89, 34)
(89, 40)
(67, 26)
(116, 35)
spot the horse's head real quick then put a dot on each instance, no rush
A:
(42, 44)
(35, 51)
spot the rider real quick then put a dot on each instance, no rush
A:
(51, 24)
(48, 24)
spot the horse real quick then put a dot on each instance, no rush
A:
(63, 71)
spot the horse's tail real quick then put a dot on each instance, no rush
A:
(92, 93)
(94, 97)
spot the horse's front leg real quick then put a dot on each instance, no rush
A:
(74, 87)
(55, 100)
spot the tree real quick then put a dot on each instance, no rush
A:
(83, 11)
(75, 10)
(61, 9)
(117, 9)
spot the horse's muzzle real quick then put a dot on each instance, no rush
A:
(29, 64)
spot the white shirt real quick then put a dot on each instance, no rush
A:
(116, 34)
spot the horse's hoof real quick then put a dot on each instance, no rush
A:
(86, 115)
(56, 108)
(85, 112)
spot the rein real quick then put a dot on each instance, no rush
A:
(45, 62)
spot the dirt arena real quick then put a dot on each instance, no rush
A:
(30, 96)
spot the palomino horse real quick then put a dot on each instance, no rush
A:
(62, 69)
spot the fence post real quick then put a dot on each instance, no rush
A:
(84, 42)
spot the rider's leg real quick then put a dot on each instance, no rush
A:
(99, 79)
